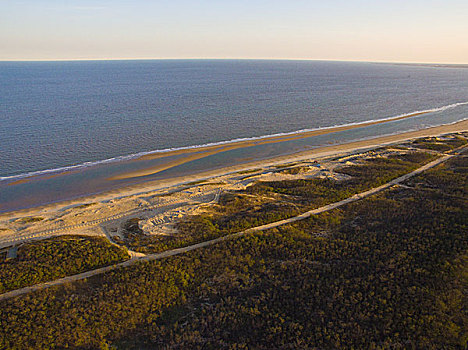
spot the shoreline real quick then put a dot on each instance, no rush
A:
(218, 146)
(206, 151)
(167, 184)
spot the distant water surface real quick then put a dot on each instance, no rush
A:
(61, 114)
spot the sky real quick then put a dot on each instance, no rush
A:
(430, 31)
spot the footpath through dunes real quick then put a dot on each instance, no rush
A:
(32, 205)
(55, 231)
(178, 251)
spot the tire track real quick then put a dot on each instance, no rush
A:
(183, 250)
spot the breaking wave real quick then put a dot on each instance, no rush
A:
(166, 150)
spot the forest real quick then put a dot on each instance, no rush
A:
(57, 257)
(266, 202)
(389, 271)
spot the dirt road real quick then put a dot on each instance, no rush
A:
(178, 251)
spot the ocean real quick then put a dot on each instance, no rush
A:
(95, 117)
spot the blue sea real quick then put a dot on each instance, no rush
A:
(95, 116)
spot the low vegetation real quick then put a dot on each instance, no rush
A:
(29, 219)
(85, 205)
(295, 170)
(287, 165)
(198, 182)
(389, 271)
(372, 172)
(243, 172)
(266, 202)
(435, 144)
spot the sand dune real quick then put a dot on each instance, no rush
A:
(125, 194)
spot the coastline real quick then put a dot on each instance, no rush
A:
(167, 184)
(202, 152)
(212, 148)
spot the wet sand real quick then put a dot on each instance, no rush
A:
(322, 152)
(202, 152)
(42, 177)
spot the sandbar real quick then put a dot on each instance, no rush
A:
(167, 184)
(202, 152)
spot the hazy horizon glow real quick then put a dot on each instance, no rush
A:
(432, 31)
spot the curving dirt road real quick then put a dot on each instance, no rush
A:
(52, 232)
(178, 251)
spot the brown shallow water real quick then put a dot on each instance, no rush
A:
(202, 152)
(30, 199)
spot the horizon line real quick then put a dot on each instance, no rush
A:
(223, 58)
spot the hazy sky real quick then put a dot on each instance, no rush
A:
(371, 30)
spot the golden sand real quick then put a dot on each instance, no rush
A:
(202, 152)
(322, 152)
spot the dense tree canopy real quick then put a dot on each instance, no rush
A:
(57, 257)
(266, 202)
(389, 271)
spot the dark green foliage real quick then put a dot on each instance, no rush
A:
(440, 147)
(57, 257)
(251, 217)
(434, 144)
(267, 202)
(386, 272)
(201, 229)
(452, 180)
(377, 171)
(321, 191)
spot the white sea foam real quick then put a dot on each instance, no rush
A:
(220, 143)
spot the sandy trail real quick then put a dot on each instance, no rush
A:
(166, 185)
(166, 200)
(183, 250)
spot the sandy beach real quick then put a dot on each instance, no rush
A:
(316, 153)
(161, 203)
(191, 154)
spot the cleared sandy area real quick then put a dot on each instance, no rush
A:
(138, 257)
(160, 203)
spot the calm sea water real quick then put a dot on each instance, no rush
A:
(58, 114)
